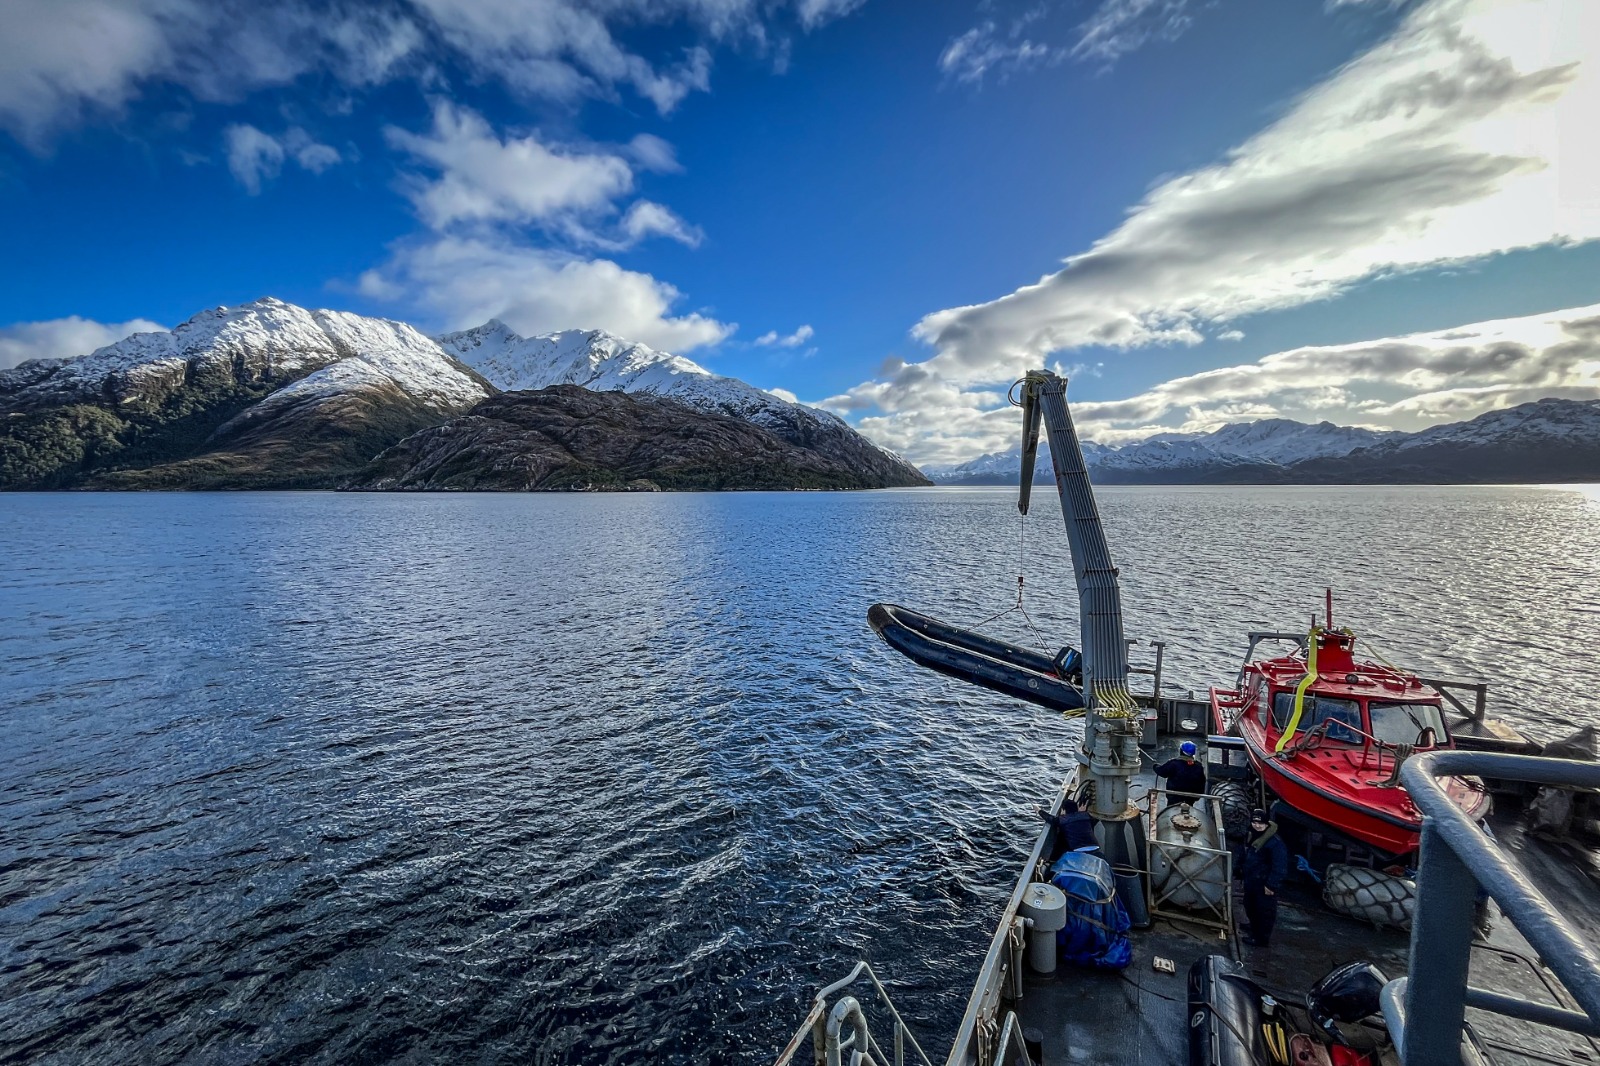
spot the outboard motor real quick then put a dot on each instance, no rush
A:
(1069, 665)
(1345, 996)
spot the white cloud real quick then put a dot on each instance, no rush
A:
(648, 219)
(255, 157)
(1405, 382)
(785, 395)
(482, 178)
(64, 60)
(465, 281)
(479, 264)
(814, 13)
(771, 338)
(64, 338)
(1465, 134)
(1398, 380)
(1119, 26)
(1457, 138)
(983, 49)
(653, 153)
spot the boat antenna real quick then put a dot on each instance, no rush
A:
(1330, 608)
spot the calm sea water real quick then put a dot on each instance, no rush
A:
(612, 779)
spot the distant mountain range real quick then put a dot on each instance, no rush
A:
(1548, 440)
(270, 395)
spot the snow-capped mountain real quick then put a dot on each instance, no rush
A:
(273, 395)
(1285, 441)
(1549, 421)
(1547, 440)
(1551, 439)
(601, 362)
(257, 343)
(265, 394)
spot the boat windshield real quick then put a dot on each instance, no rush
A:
(1343, 716)
(1404, 723)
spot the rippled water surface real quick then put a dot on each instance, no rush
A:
(606, 779)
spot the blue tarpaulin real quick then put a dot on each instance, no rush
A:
(1097, 924)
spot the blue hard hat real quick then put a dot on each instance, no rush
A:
(1187, 747)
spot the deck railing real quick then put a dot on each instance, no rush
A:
(1426, 1012)
(840, 1035)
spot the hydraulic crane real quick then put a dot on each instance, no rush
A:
(1109, 755)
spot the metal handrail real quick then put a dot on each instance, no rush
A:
(1426, 1013)
(1011, 1037)
(825, 1026)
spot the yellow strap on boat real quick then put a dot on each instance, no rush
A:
(1300, 690)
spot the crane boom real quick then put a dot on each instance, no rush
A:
(1110, 751)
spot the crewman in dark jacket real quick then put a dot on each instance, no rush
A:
(1184, 774)
(1266, 863)
(1074, 828)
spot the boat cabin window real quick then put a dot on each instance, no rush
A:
(1404, 723)
(1341, 715)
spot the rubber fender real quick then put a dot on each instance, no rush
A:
(1370, 895)
(1236, 806)
(1224, 1015)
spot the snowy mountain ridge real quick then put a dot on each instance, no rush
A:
(268, 394)
(1281, 449)
(601, 362)
(269, 337)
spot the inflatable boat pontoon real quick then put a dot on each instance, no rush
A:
(1027, 675)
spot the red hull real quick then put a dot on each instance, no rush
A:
(1345, 789)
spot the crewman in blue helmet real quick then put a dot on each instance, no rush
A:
(1185, 775)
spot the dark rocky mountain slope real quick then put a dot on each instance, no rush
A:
(566, 438)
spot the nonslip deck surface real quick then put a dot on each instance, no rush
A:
(1139, 1016)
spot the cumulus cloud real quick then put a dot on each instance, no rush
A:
(487, 191)
(64, 60)
(1461, 136)
(466, 280)
(64, 338)
(772, 339)
(1400, 380)
(255, 157)
(646, 218)
(483, 178)
(1405, 382)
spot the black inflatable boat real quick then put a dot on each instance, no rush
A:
(1027, 675)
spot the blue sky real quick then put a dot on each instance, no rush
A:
(1381, 213)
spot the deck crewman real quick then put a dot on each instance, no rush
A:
(1184, 774)
(1074, 828)
(1266, 863)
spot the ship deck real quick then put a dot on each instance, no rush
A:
(1139, 1015)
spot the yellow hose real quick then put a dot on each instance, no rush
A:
(1300, 690)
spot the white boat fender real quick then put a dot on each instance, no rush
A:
(1370, 895)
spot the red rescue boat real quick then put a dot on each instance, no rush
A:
(1327, 733)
